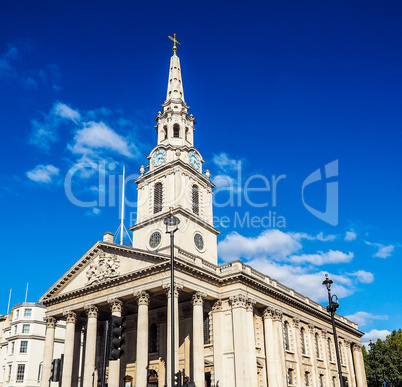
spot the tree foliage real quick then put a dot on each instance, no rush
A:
(384, 361)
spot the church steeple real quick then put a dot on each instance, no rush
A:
(175, 91)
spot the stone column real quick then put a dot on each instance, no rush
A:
(90, 345)
(325, 356)
(313, 354)
(77, 355)
(142, 339)
(198, 339)
(279, 347)
(270, 352)
(359, 365)
(349, 361)
(176, 291)
(217, 337)
(251, 341)
(297, 350)
(114, 365)
(48, 352)
(71, 319)
(240, 337)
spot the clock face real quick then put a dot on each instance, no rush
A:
(159, 157)
(194, 160)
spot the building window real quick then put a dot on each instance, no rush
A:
(341, 352)
(20, 372)
(317, 345)
(306, 379)
(165, 132)
(303, 341)
(24, 346)
(157, 198)
(12, 347)
(9, 372)
(17, 314)
(334, 381)
(206, 329)
(286, 335)
(330, 350)
(321, 380)
(290, 376)
(196, 200)
(40, 372)
(25, 328)
(15, 329)
(153, 338)
(176, 130)
(27, 312)
(187, 132)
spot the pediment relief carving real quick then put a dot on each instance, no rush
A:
(103, 267)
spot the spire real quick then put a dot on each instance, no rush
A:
(175, 85)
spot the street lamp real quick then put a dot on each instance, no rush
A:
(372, 345)
(333, 305)
(171, 223)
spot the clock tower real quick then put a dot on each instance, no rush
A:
(174, 177)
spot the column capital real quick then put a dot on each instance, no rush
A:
(198, 298)
(142, 297)
(116, 305)
(50, 322)
(324, 333)
(311, 328)
(250, 304)
(177, 289)
(239, 300)
(296, 322)
(92, 311)
(217, 306)
(357, 347)
(71, 317)
(273, 314)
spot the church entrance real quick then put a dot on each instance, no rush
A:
(152, 379)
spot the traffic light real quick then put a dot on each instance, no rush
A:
(116, 340)
(55, 371)
(177, 379)
(186, 381)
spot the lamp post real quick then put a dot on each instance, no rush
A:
(333, 305)
(171, 223)
(372, 345)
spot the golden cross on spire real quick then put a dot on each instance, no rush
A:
(174, 40)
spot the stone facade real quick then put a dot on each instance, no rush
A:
(234, 325)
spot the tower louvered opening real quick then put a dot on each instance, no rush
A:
(196, 200)
(157, 198)
(176, 130)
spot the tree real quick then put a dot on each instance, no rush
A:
(384, 361)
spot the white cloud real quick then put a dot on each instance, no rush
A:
(96, 136)
(319, 237)
(363, 276)
(323, 258)
(43, 173)
(350, 236)
(64, 111)
(273, 243)
(374, 335)
(383, 250)
(225, 163)
(364, 318)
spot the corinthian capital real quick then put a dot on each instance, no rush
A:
(239, 300)
(50, 322)
(177, 289)
(70, 316)
(250, 304)
(142, 297)
(198, 298)
(92, 311)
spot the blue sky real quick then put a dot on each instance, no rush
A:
(277, 88)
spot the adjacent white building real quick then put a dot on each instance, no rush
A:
(22, 339)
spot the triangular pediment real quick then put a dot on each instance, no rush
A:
(103, 262)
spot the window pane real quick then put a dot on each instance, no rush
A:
(20, 372)
(25, 328)
(27, 312)
(24, 346)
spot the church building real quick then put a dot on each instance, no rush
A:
(234, 326)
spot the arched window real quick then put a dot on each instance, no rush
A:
(153, 338)
(165, 132)
(290, 376)
(206, 328)
(330, 349)
(340, 352)
(317, 345)
(186, 135)
(176, 130)
(334, 381)
(321, 380)
(303, 342)
(196, 200)
(286, 335)
(157, 198)
(306, 378)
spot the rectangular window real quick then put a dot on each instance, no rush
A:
(17, 314)
(12, 348)
(27, 312)
(24, 346)
(20, 372)
(9, 372)
(15, 329)
(25, 328)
